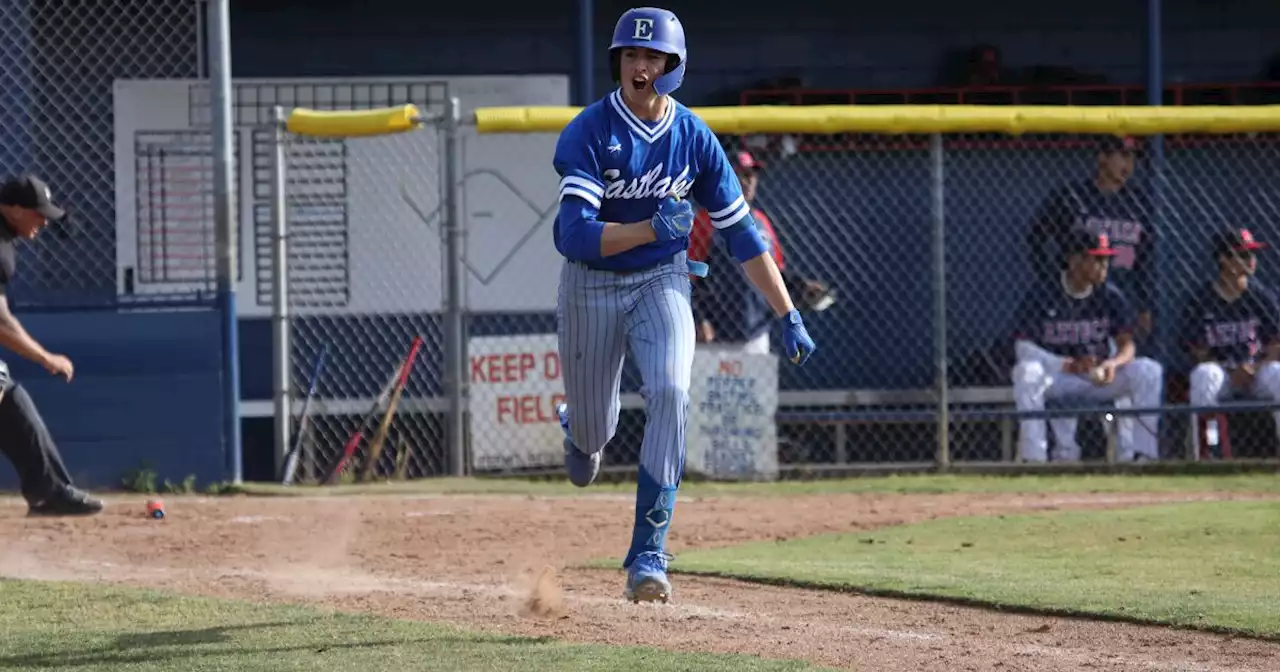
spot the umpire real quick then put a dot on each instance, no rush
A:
(26, 208)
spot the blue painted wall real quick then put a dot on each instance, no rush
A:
(147, 383)
(145, 389)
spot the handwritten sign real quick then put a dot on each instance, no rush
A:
(731, 433)
(516, 384)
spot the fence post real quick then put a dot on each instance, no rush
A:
(455, 363)
(224, 216)
(280, 342)
(938, 216)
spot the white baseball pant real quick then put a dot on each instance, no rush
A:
(1211, 384)
(1139, 383)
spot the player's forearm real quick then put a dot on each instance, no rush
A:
(618, 238)
(588, 240)
(764, 274)
(16, 339)
(1124, 353)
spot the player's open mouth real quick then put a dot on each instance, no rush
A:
(639, 84)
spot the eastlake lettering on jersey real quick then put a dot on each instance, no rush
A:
(648, 185)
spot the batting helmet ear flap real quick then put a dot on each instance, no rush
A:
(615, 64)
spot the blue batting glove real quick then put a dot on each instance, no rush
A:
(673, 219)
(795, 339)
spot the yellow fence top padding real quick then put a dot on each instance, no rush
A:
(352, 123)
(1013, 119)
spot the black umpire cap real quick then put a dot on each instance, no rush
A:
(1236, 240)
(1080, 241)
(29, 191)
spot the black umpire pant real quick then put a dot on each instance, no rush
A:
(26, 441)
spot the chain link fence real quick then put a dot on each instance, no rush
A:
(856, 221)
(861, 214)
(59, 61)
(365, 285)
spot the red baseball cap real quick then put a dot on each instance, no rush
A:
(1090, 243)
(744, 159)
(1240, 240)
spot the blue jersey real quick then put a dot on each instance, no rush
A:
(615, 167)
(1124, 216)
(1069, 326)
(1233, 332)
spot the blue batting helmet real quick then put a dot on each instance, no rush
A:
(656, 29)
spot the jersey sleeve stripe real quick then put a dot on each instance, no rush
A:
(733, 217)
(726, 212)
(585, 195)
(582, 183)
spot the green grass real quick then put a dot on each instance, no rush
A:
(62, 626)
(892, 484)
(1212, 566)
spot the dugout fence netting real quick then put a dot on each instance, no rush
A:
(863, 212)
(898, 246)
(365, 290)
(151, 241)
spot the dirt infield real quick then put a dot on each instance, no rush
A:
(478, 560)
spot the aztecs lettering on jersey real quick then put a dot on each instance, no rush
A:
(1125, 235)
(1076, 332)
(649, 185)
(1228, 334)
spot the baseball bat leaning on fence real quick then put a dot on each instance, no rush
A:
(291, 460)
(397, 379)
(380, 438)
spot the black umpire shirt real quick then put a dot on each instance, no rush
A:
(8, 255)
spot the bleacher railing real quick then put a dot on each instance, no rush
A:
(918, 217)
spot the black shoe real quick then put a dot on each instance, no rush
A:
(66, 501)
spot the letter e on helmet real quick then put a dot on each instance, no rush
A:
(651, 28)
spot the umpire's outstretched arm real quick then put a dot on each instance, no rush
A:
(14, 337)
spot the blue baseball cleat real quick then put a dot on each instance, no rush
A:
(647, 578)
(581, 467)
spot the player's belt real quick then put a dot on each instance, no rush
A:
(695, 267)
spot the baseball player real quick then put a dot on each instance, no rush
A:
(1074, 340)
(1232, 330)
(26, 208)
(728, 311)
(628, 164)
(1105, 204)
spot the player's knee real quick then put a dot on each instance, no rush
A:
(1148, 369)
(1029, 374)
(1268, 377)
(1207, 376)
(17, 411)
(667, 397)
(591, 436)
(1269, 371)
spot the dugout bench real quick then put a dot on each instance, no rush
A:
(845, 411)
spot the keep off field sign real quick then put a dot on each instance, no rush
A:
(516, 382)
